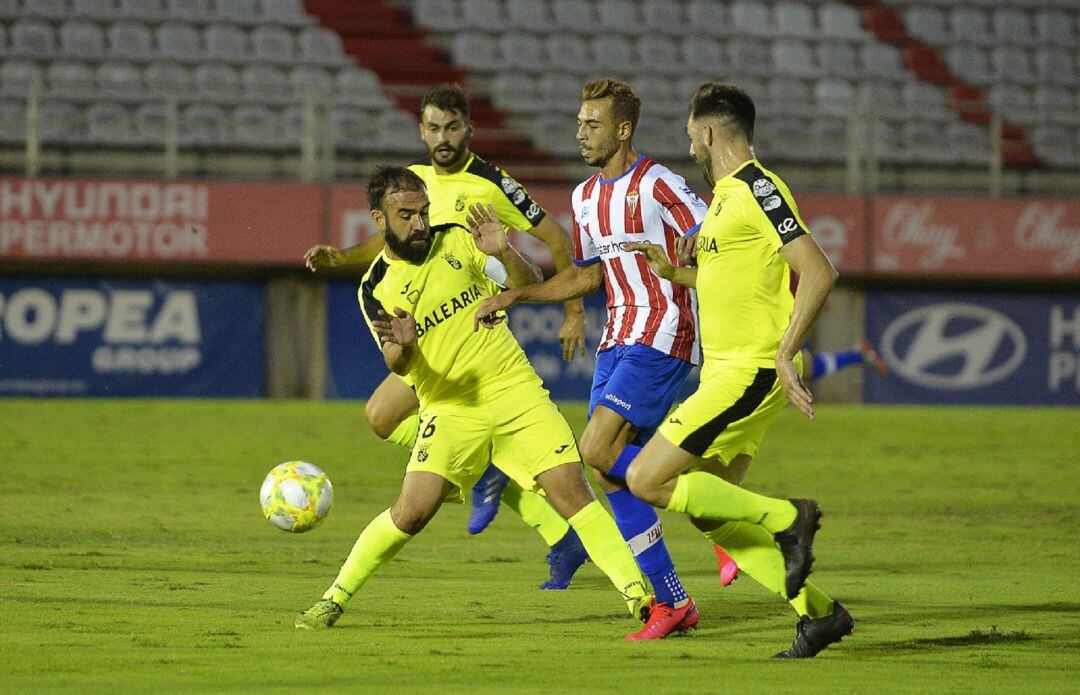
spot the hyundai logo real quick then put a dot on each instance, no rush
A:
(954, 346)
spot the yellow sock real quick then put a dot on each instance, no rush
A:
(534, 510)
(755, 552)
(609, 551)
(377, 545)
(405, 433)
(706, 496)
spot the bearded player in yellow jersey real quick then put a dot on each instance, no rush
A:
(480, 399)
(457, 178)
(752, 329)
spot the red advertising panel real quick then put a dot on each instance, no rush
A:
(976, 237)
(75, 219)
(838, 224)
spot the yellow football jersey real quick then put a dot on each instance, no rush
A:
(478, 182)
(743, 283)
(455, 364)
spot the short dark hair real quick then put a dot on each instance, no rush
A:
(447, 97)
(729, 103)
(390, 178)
(625, 104)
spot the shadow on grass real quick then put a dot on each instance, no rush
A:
(975, 638)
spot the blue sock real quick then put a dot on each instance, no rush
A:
(618, 469)
(826, 363)
(640, 526)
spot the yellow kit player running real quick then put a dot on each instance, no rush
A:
(751, 332)
(457, 178)
(479, 396)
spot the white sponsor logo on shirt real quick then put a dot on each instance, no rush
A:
(771, 203)
(763, 187)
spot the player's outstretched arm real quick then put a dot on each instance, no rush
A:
(572, 331)
(324, 256)
(571, 282)
(398, 336)
(658, 260)
(490, 238)
(816, 279)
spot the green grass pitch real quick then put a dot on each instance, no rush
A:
(133, 558)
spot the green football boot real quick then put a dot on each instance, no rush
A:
(320, 616)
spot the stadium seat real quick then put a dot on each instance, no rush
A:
(530, 15)
(226, 42)
(478, 52)
(970, 63)
(151, 123)
(179, 41)
(1015, 102)
(47, 9)
(572, 15)
(310, 80)
(95, 9)
(216, 82)
(165, 79)
(658, 54)
(130, 40)
(562, 92)
(555, 133)
(566, 52)
(830, 134)
(794, 57)
(273, 44)
(321, 46)
(924, 142)
(785, 136)
(835, 97)
(1056, 144)
(662, 17)
(81, 39)
(483, 15)
(265, 83)
(838, 59)
(522, 51)
(13, 121)
(1013, 25)
(750, 56)
(119, 80)
(708, 17)
(204, 125)
(69, 79)
(1054, 104)
(881, 60)
(1011, 64)
(360, 87)
(618, 16)
(705, 54)
(969, 143)
(796, 19)
(254, 125)
(237, 11)
(658, 95)
(399, 131)
(110, 123)
(511, 92)
(924, 101)
(970, 25)
(750, 18)
(17, 75)
(686, 85)
(787, 95)
(612, 54)
(142, 10)
(190, 10)
(61, 123)
(841, 22)
(928, 23)
(1054, 27)
(288, 12)
(438, 15)
(10, 9)
(1054, 65)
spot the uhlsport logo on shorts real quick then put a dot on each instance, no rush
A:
(954, 346)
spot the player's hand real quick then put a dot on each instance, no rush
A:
(572, 334)
(686, 250)
(323, 256)
(399, 329)
(487, 230)
(793, 386)
(656, 257)
(488, 313)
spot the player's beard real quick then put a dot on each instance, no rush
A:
(446, 156)
(413, 249)
(601, 154)
(705, 162)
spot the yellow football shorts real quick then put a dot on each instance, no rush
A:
(729, 412)
(519, 429)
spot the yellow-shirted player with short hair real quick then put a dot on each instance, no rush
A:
(479, 397)
(457, 178)
(752, 330)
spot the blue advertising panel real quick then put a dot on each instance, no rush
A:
(100, 337)
(975, 347)
(357, 368)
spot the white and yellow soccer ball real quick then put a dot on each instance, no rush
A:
(296, 496)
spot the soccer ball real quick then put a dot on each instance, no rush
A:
(296, 496)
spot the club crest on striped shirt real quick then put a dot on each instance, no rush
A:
(631, 200)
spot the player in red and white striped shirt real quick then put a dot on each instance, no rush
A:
(650, 341)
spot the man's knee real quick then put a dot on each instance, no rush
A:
(410, 518)
(596, 452)
(643, 484)
(380, 419)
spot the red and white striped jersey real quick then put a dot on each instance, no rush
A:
(648, 203)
